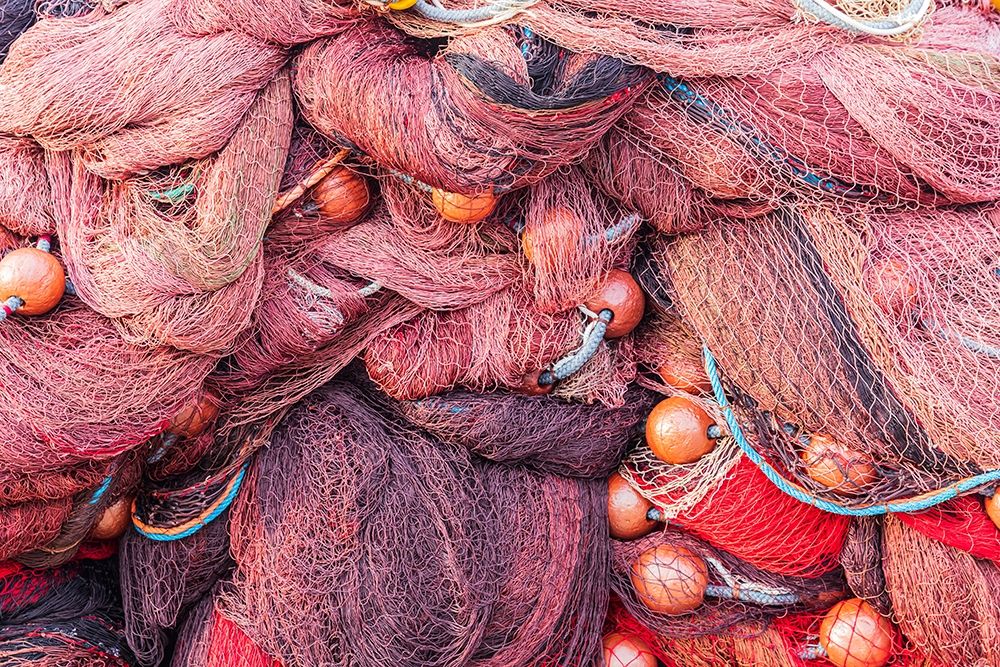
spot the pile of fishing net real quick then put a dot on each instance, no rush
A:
(524, 333)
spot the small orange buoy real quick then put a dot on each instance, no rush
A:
(628, 512)
(853, 634)
(343, 196)
(558, 234)
(466, 209)
(622, 295)
(670, 579)
(993, 508)
(114, 521)
(894, 289)
(195, 417)
(35, 277)
(678, 431)
(622, 650)
(837, 467)
(531, 385)
(687, 375)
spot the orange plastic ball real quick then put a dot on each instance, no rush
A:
(195, 417)
(466, 209)
(670, 579)
(853, 634)
(35, 277)
(686, 375)
(622, 650)
(837, 467)
(622, 295)
(558, 236)
(114, 521)
(894, 288)
(993, 508)
(627, 510)
(678, 431)
(343, 196)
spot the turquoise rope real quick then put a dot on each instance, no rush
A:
(905, 505)
(101, 490)
(223, 506)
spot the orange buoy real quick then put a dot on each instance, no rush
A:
(558, 233)
(628, 512)
(114, 520)
(35, 277)
(466, 209)
(894, 289)
(531, 385)
(622, 650)
(993, 508)
(622, 295)
(678, 431)
(195, 417)
(837, 467)
(686, 375)
(670, 579)
(343, 196)
(853, 634)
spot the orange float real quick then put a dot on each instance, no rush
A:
(195, 417)
(622, 650)
(114, 521)
(670, 579)
(893, 288)
(560, 228)
(622, 295)
(343, 196)
(837, 467)
(630, 516)
(465, 209)
(993, 508)
(531, 385)
(854, 634)
(678, 431)
(35, 277)
(687, 375)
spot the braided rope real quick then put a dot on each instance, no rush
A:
(889, 26)
(501, 10)
(917, 503)
(188, 528)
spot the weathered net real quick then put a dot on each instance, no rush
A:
(480, 528)
(185, 107)
(860, 324)
(542, 433)
(469, 119)
(61, 617)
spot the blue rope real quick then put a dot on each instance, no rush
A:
(223, 506)
(100, 491)
(921, 502)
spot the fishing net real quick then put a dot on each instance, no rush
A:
(943, 598)
(286, 23)
(65, 616)
(737, 593)
(542, 433)
(469, 119)
(186, 106)
(176, 256)
(852, 337)
(479, 527)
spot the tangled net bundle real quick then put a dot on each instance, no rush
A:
(528, 332)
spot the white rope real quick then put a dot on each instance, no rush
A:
(890, 26)
(498, 11)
